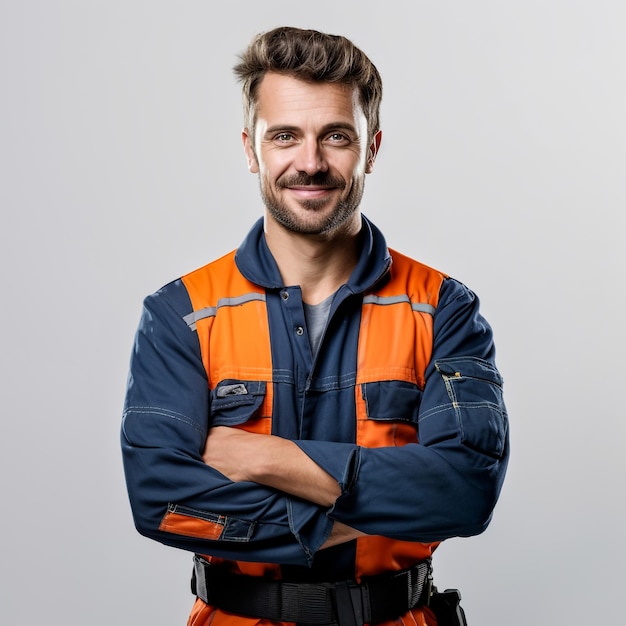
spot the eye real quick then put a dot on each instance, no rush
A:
(338, 138)
(283, 138)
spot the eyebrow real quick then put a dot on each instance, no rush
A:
(270, 130)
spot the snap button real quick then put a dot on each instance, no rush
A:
(285, 295)
(299, 330)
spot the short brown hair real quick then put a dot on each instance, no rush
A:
(311, 56)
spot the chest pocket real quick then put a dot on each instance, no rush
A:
(392, 400)
(238, 403)
(391, 413)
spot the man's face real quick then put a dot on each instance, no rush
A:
(311, 153)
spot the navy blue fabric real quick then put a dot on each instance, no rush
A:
(450, 481)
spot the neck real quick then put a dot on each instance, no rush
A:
(318, 264)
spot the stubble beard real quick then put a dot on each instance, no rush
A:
(315, 222)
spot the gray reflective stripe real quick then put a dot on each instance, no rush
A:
(420, 307)
(194, 316)
(211, 311)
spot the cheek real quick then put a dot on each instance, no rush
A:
(272, 166)
(359, 169)
(355, 162)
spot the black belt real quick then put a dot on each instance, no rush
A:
(376, 599)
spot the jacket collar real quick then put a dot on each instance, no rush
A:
(256, 263)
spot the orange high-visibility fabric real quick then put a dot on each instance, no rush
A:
(395, 344)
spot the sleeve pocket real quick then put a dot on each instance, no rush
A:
(474, 388)
(184, 520)
(234, 402)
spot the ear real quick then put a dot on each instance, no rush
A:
(248, 148)
(372, 151)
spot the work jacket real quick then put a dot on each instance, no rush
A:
(402, 404)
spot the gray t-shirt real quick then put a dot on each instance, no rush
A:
(316, 316)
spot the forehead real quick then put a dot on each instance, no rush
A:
(283, 98)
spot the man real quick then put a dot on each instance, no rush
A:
(313, 413)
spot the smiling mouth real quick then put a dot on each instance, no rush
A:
(311, 192)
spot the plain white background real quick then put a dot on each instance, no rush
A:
(121, 168)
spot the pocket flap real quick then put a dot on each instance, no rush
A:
(234, 402)
(392, 400)
(469, 367)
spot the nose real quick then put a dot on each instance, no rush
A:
(310, 157)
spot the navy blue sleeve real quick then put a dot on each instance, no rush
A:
(175, 497)
(446, 485)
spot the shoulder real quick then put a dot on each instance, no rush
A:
(172, 297)
(177, 294)
(407, 263)
(445, 290)
(418, 279)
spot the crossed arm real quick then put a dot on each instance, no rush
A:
(452, 477)
(278, 463)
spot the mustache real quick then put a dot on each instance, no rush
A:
(321, 179)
